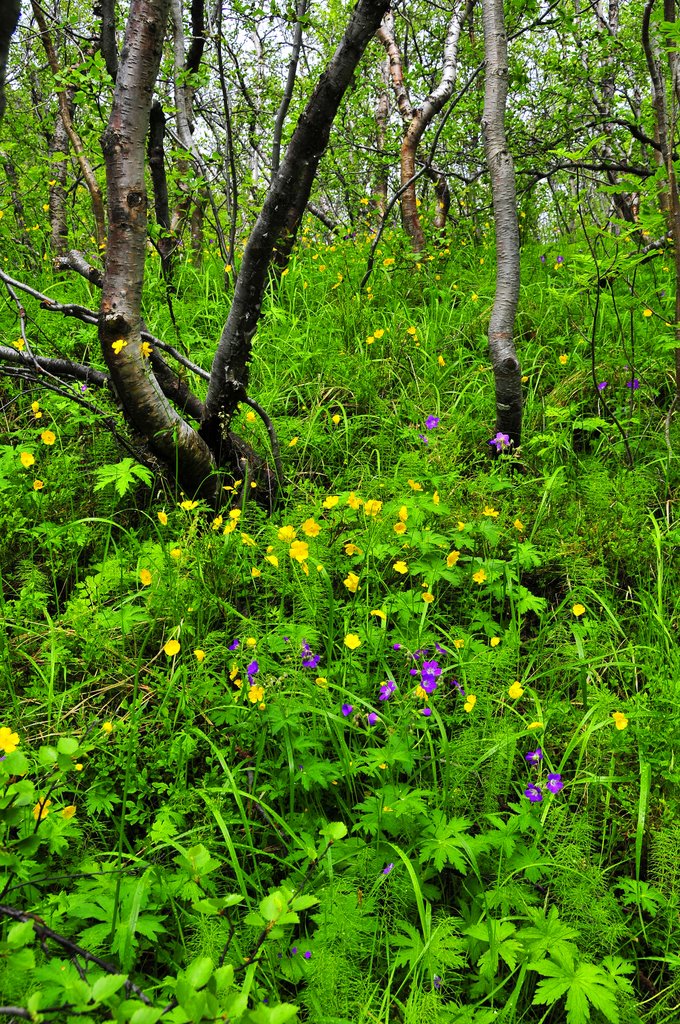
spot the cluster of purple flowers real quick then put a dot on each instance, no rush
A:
(500, 442)
(309, 660)
(553, 783)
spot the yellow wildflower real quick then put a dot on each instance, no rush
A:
(516, 690)
(351, 582)
(293, 441)
(379, 614)
(479, 576)
(310, 528)
(458, 644)
(188, 505)
(400, 567)
(494, 641)
(518, 525)
(435, 497)
(490, 511)
(119, 345)
(248, 541)
(399, 528)
(354, 502)
(163, 518)
(335, 419)
(441, 360)
(403, 513)
(255, 573)
(250, 416)
(414, 486)
(286, 533)
(372, 507)
(647, 312)
(172, 648)
(452, 558)
(255, 693)
(578, 610)
(379, 333)
(68, 812)
(146, 349)
(299, 550)
(38, 485)
(107, 727)
(428, 598)
(41, 809)
(563, 359)
(470, 702)
(331, 501)
(352, 641)
(272, 559)
(620, 720)
(199, 655)
(145, 577)
(352, 549)
(9, 741)
(47, 437)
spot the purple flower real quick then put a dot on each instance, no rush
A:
(437, 982)
(252, 671)
(372, 718)
(439, 649)
(534, 756)
(431, 422)
(386, 870)
(554, 783)
(602, 385)
(427, 712)
(560, 259)
(347, 709)
(543, 258)
(387, 689)
(461, 689)
(500, 442)
(424, 439)
(234, 644)
(428, 676)
(83, 388)
(429, 685)
(396, 647)
(307, 954)
(309, 660)
(293, 950)
(533, 793)
(633, 384)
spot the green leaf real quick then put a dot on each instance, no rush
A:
(199, 971)
(334, 831)
(106, 986)
(584, 985)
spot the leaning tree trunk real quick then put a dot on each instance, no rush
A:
(127, 358)
(276, 227)
(506, 368)
(9, 17)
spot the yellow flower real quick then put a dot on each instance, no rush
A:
(146, 349)
(494, 641)
(255, 694)
(400, 567)
(412, 331)
(47, 437)
(470, 702)
(489, 511)
(452, 558)
(163, 518)
(647, 312)
(229, 528)
(335, 419)
(235, 514)
(414, 486)
(620, 720)
(176, 553)
(420, 692)
(435, 497)
(474, 296)
(403, 513)
(399, 528)
(379, 614)
(535, 725)
(216, 523)
(172, 648)
(516, 690)
(107, 727)
(68, 812)
(9, 741)
(458, 644)
(119, 345)
(251, 641)
(299, 550)
(41, 809)
(145, 577)
(364, 201)
(386, 263)
(35, 409)
(428, 598)
(286, 533)
(578, 610)
(188, 505)
(379, 333)
(250, 416)
(563, 359)
(38, 485)
(352, 641)
(310, 528)
(372, 507)
(461, 525)
(518, 525)
(293, 442)
(351, 582)
(370, 339)
(441, 360)
(272, 559)
(354, 502)
(248, 541)
(255, 573)
(331, 501)
(322, 682)
(199, 655)
(479, 576)
(79, 767)
(352, 549)
(19, 344)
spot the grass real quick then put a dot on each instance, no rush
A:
(255, 820)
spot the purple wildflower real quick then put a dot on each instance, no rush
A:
(430, 671)
(307, 954)
(554, 783)
(83, 388)
(542, 257)
(424, 439)
(500, 442)
(533, 793)
(234, 644)
(427, 712)
(458, 686)
(560, 259)
(534, 756)
(372, 718)
(602, 385)
(347, 709)
(387, 689)
(439, 649)
(633, 384)
(293, 950)
(386, 870)
(429, 685)
(431, 422)
(437, 982)
(396, 647)
(252, 671)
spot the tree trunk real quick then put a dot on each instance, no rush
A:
(276, 226)
(506, 368)
(9, 17)
(145, 405)
(59, 163)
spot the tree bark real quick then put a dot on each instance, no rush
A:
(506, 368)
(276, 227)
(143, 400)
(288, 90)
(9, 18)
